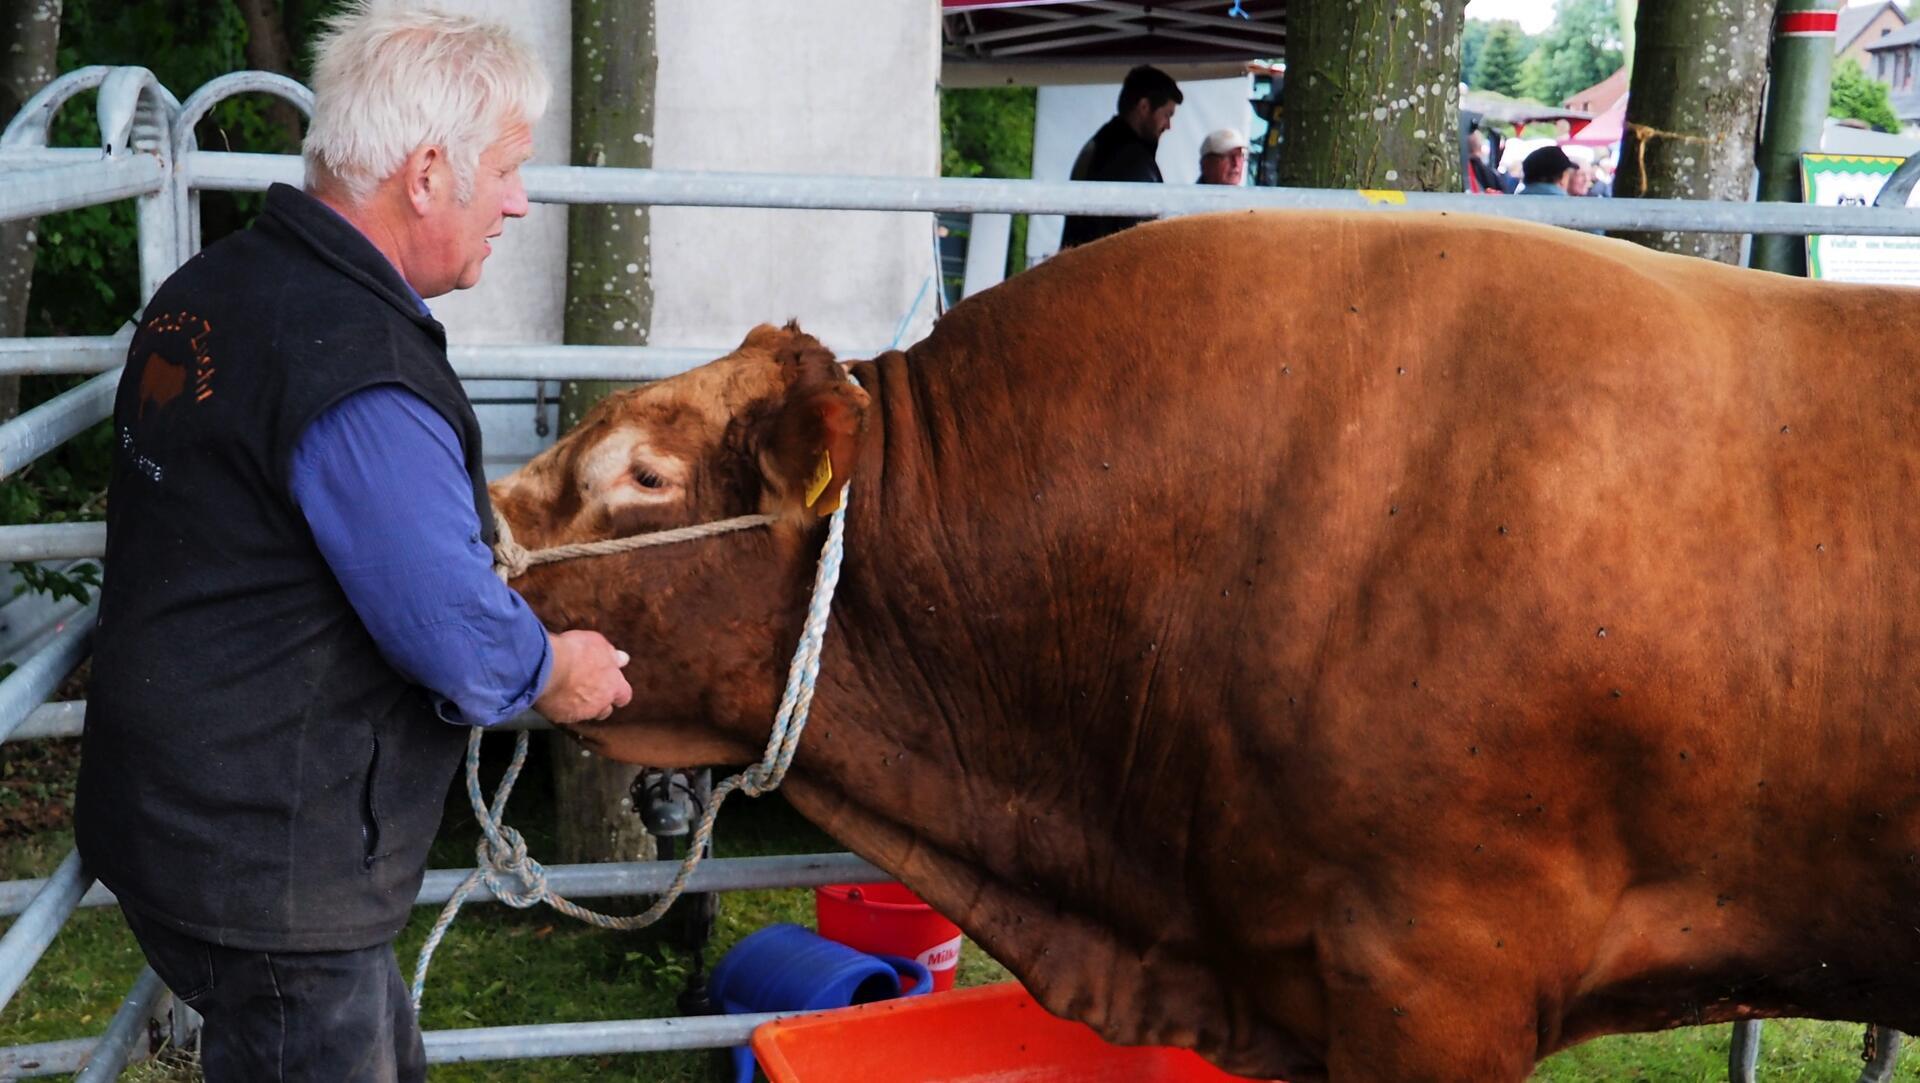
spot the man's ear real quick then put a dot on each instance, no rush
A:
(814, 442)
(418, 173)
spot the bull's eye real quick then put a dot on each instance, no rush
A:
(649, 480)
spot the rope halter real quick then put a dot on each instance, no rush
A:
(511, 559)
(502, 861)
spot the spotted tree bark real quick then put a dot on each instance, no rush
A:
(1372, 96)
(609, 303)
(1699, 74)
(29, 36)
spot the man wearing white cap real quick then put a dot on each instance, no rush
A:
(1223, 158)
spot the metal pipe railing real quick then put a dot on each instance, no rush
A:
(53, 541)
(532, 361)
(600, 881)
(62, 719)
(30, 193)
(478, 1044)
(108, 1057)
(73, 354)
(67, 718)
(56, 421)
(594, 1039)
(27, 939)
(29, 686)
(42, 1059)
(973, 195)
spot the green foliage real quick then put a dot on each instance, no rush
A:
(1582, 47)
(987, 132)
(1498, 65)
(75, 583)
(1858, 97)
(1472, 39)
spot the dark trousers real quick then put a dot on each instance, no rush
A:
(291, 1017)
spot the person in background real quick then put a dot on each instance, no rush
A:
(1546, 172)
(1603, 174)
(1123, 148)
(1223, 158)
(1481, 176)
(303, 625)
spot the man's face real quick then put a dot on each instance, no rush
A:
(1578, 181)
(455, 236)
(1148, 122)
(1228, 168)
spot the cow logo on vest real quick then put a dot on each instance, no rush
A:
(176, 363)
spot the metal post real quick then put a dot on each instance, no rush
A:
(1797, 93)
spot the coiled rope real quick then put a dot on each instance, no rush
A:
(501, 858)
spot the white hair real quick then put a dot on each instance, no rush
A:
(389, 79)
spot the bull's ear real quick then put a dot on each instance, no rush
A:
(814, 443)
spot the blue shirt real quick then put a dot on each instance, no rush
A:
(384, 488)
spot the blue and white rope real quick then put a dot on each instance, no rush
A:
(519, 881)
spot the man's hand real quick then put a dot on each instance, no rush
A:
(585, 682)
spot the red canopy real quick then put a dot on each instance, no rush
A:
(1605, 129)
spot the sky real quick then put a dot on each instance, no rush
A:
(1536, 15)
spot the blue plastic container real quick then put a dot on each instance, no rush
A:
(789, 968)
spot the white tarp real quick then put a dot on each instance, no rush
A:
(1067, 116)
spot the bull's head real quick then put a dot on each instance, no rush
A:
(773, 428)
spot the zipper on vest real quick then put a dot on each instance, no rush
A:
(369, 812)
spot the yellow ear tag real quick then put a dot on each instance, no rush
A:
(822, 474)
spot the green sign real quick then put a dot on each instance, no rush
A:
(1853, 180)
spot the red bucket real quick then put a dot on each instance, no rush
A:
(887, 919)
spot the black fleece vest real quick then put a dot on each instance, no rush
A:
(254, 773)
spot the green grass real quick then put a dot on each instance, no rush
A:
(496, 967)
(500, 967)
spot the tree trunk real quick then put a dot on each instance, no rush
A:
(268, 50)
(609, 302)
(1372, 94)
(1699, 72)
(27, 63)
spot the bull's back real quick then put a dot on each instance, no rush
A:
(1601, 556)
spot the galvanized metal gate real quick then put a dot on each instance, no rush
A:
(148, 154)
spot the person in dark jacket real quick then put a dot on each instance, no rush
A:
(1547, 172)
(301, 624)
(1123, 148)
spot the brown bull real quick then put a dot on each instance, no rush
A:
(1257, 655)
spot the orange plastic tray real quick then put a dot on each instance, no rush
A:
(989, 1034)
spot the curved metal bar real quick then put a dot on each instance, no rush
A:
(136, 111)
(31, 125)
(186, 200)
(201, 102)
(1899, 186)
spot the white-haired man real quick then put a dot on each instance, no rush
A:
(1223, 157)
(301, 600)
